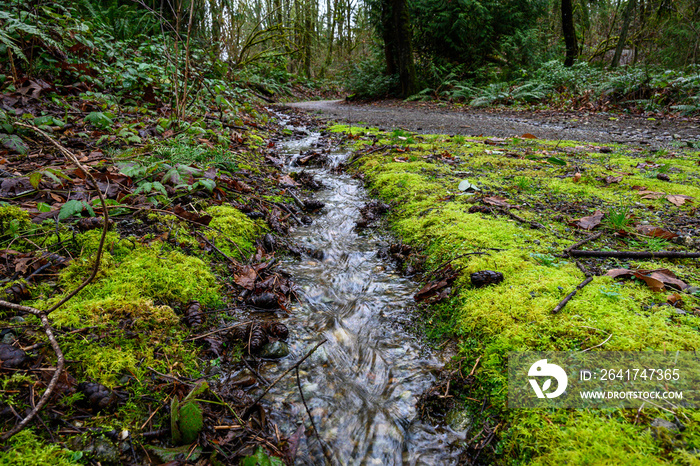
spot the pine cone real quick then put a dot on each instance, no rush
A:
(277, 330)
(258, 338)
(264, 300)
(11, 357)
(486, 277)
(99, 397)
(194, 316)
(18, 293)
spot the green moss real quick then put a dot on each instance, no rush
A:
(516, 314)
(27, 450)
(147, 274)
(235, 227)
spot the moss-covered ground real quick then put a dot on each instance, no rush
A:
(554, 183)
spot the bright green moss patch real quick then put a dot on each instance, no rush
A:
(27, 450)
(146, 274)
(235, 227)
(516, 315)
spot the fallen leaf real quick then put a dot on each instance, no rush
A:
(652, 282)
(649, 230)
(651, 194)
(590, 222)
(529, 136)
(286, 180)
(678, 199)
(674, 298)
(655, 279)
(246, 278)
(401, 159)
(612, 179)
(465, 185)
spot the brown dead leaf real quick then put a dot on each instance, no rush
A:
(678, 199)
(612, 179)
(591, 221)
(651, 194)
(674, 298)
(401, 159)
(191, 216)
(654, 283)
(649, 230)
(286, 180)
(246, 278)
(655, 279)
(577, 177)
(529, 136)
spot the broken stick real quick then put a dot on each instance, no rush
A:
(563, 302)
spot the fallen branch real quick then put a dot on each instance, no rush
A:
(588, 239)
(636, 254)
(598, 345)
(60, 362)
(249, 409)
(563, 302)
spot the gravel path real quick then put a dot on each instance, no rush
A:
(578, 126)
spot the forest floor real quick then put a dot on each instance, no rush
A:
(652, 130)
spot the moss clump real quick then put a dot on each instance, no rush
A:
(236, 227)
(13, 220)
(27, 450)
(147, 274)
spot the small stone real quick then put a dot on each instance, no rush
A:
(8, 338)
(663, 423)
(274, 350)
(663, 177)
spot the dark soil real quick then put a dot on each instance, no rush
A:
(600, 127)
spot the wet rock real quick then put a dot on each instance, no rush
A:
(306, 220)
(459, 420)
(274, 350)
(11, 357)
(662, 177)
(98, 449)
(8, 338)
(317, 254)
(485, 278)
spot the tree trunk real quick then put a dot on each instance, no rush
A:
(398, 51)
(626, 19)
(569, 30)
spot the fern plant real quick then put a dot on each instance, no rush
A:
(14, 29)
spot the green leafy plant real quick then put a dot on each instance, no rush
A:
(99, 120)
(75, 207)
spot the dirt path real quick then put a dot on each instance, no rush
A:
(581, 126)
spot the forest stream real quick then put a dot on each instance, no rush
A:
(362, 386)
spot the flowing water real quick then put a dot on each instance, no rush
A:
(363, 384)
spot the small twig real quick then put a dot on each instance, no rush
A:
(206, 240)
(299, 202)
(532, 224)
(329, 458)
(636, 254)
(584, 241)
(217, 331)
(255, 373)
(599, 345)
(249, 409)
(563, 302)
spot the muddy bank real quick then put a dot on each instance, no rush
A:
(644, 131)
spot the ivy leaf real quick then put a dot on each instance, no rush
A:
(71, 208)
(99, 119)
(209, 185)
